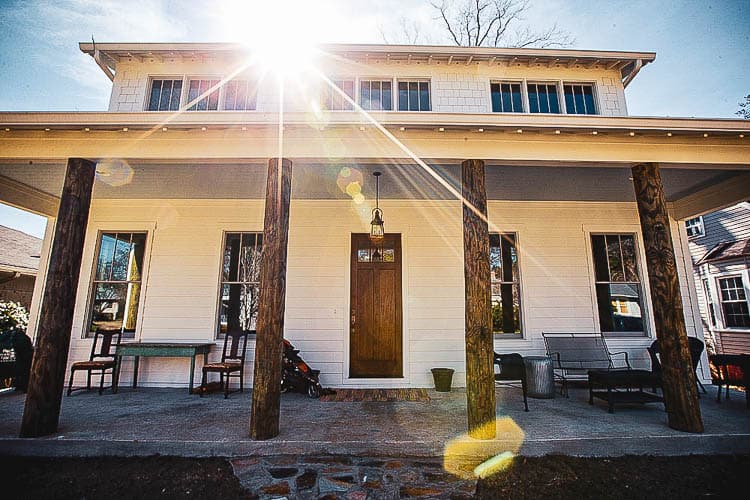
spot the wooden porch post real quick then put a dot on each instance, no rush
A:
(678, 377)
(264, 419)
(480, 382)
(42, 410)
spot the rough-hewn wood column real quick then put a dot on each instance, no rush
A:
(678, 378)
(480, 383)
(42, 410)
(264, 418)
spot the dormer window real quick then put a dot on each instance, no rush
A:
(239, 95)
(543, 98)
(579, 99)
(165, 95)
(413, 95)
(203, 95)
(506, 97)
(331, 98)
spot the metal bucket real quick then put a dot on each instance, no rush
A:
(540, 377)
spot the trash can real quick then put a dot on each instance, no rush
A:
(442, 377)
(540, 377)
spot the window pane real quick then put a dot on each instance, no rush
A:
(213, 98)
(588, 99)
(570, 104)
(496, 98)
(174, 103)
(115, 306)
(121, 259)
(230, 267)
(616, 272)
(506, 309)
(736, 314)
(375, 95)
(413, 96)
(135, 261)
(543, 99)
(250, 259)
(533, 99)
(599, 248)
(628, 255)
(516, 95)
(164, 100)
(424, 96)
(580, 106)
(153, 103)
(403, 96)
(619, 307)
(104, 262)
(554, 106)
(239, 307)
(387, 96)
(364, 95)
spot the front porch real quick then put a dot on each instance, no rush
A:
(147, 421)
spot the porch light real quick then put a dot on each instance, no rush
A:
(377, 232)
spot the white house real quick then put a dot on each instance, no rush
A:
(176, 218)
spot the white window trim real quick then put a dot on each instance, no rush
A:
(594, 89)
(394, 102)
(521, 310)
(719, 310)
(97, 229)
(524, 96)
(419, 79)
(648, 325)
(702, 226)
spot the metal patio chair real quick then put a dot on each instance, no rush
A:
(511, 368)
(696, 347)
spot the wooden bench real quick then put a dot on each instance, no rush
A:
(616, 382)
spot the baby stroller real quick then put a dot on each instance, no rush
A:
(297, 375)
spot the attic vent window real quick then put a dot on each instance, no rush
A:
(543, 98)
(506, 98)
(579, 99)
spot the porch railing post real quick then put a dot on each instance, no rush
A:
(480, 382)
(42, 409)
(264, 419)
(678, 377)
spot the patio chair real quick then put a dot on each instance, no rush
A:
(102, 359)
(232, 362)
(511, 368)
(696, 347)
(577, 353)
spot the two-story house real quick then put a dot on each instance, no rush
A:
(719, 244)
(175, 226)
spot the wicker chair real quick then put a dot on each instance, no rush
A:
(232, 362)
(102, 359)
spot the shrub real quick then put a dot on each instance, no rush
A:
(13, 317)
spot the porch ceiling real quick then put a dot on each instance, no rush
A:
(328, 181)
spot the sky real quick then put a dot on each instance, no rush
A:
(701, 68)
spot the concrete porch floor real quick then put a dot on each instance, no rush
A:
(146, 421)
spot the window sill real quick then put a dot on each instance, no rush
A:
(507, 336)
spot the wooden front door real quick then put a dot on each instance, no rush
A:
(375, 321)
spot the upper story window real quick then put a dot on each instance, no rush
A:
(543, 98)
(734, 302)
(165, 95)
(239, 95)
(331, 98)
(695, 227)
(579, 98)
(618, 285)
(506, 97)
(414, 95)
(376, 95)
(203, 95)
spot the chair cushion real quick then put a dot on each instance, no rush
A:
(624, 377)
(98, 364)
(215, 367)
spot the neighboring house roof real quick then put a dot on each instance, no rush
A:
(629, 64)
(727, 251)
(19, 252)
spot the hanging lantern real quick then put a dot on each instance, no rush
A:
(377, 231)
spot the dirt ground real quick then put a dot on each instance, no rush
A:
(560, 477)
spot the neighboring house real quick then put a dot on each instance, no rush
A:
(720, 247)
(177, 216)
(19, 261)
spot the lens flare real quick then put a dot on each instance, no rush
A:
(467, 457)
(114, 172)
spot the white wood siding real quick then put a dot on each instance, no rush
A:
(180, 290)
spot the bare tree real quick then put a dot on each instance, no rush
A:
(407, 32)
(744, 111)
(495, 23)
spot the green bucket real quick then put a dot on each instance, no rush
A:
(442, 377)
